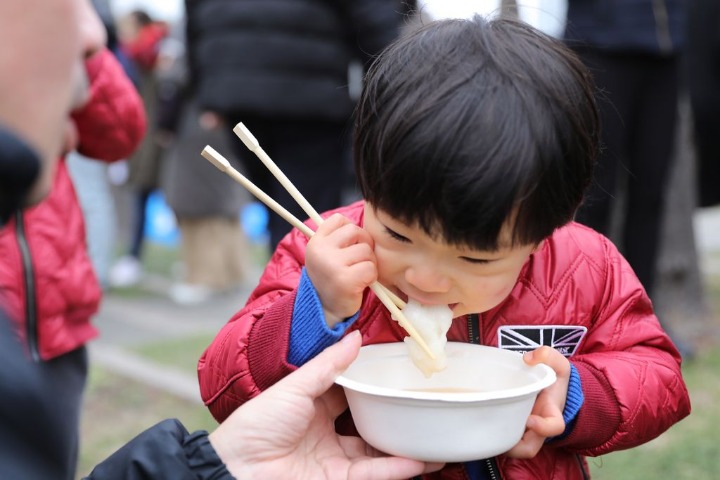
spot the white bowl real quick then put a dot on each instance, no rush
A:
(476, 408)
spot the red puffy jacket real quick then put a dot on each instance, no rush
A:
(46, 278)
(576, 293)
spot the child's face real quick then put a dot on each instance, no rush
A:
(414, 265)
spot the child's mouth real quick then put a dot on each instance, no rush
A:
(406, 298)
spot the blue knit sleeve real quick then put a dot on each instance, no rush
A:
(574, 401)
(309, 333)
(575, 397)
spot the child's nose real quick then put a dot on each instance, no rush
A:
(427, 279)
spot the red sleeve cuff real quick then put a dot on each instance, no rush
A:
(268, 344)
(599, 417)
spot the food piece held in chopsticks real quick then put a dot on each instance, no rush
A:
(432, 323)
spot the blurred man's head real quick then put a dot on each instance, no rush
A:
(42, 73)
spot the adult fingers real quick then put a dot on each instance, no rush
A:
(389, 468)
(318, 375)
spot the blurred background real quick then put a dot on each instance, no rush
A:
(160, 311)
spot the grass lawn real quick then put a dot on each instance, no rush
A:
(181, 353)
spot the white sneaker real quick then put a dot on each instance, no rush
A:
(127, 271)
(190, 294)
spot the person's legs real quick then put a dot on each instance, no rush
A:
(651, 158)
(614, 79)
(128, 269)
(234, 245)
(138, 234)
(93, 190)
(650, 161)
(213, 251)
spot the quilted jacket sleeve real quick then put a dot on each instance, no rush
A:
(249, 353)
(112, 123)
(629, 368)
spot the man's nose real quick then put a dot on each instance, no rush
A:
(92, 30)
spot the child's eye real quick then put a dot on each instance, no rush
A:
(476, 261)
(393, 234)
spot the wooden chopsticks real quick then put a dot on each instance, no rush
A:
(390, 300)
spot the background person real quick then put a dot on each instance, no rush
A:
(140, 38)
(633, 49)
(281, 67)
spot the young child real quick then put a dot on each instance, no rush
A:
(475, 141)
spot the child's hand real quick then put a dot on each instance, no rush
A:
(546, 417)
(340, 261)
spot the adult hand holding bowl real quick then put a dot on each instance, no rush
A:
(475, 408)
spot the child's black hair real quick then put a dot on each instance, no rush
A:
(464, 124)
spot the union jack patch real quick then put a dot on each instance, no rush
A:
(523, 338)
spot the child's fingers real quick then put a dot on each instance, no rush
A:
(550, 357)
(538, 429)
(528, 446)
(548, 426)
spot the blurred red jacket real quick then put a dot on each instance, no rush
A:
(46, 279)
(144, 49)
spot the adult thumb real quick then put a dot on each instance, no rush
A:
(318, 375)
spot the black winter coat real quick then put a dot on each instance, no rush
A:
(631, 26)
(284, 58)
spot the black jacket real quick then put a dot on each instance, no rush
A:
(19, 166)
(32, 428)
(284, 58)
(654, 27)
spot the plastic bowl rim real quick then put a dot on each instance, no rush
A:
(547, 378)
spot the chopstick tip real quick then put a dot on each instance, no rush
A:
(210, 154)
(247, 138)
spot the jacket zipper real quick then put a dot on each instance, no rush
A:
(662, 26)
(475, 336)
(582, 468)
(30, 298)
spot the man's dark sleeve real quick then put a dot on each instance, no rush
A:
(164, 451)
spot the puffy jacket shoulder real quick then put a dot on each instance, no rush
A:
(112, 123)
